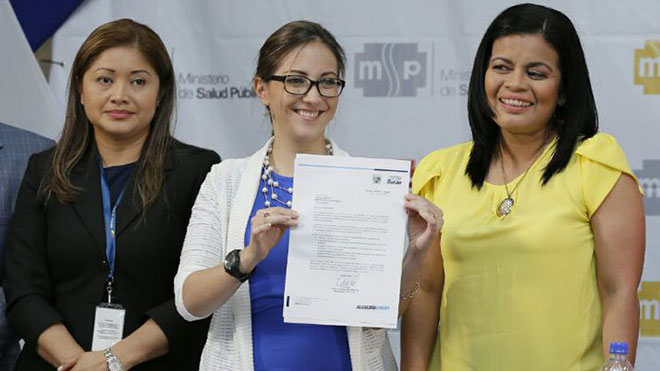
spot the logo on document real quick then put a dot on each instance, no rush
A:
(394, 179)
(649, 308)
(647, 67)
(377, 178)
(390, 69)
(649, 179)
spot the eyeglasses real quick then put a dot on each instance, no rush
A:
(328, 87)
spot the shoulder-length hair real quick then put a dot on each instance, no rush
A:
(78, 133)
(575, 119)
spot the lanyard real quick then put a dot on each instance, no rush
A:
(110, 219)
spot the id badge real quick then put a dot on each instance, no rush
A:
(108, 325)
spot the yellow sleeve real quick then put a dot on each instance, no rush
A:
(601, 162)
(425, 174)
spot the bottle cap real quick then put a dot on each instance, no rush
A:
(619, 347)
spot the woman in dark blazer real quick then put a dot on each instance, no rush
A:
(100, 219)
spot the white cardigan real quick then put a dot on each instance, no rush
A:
(217, 226)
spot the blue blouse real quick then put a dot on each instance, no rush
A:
(287, 346)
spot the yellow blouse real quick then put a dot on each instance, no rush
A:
(520, 291)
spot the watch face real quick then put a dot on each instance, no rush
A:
(230, 261)
(115, 365)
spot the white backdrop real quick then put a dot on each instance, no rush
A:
(408, 69)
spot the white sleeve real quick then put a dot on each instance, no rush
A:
(203, 246)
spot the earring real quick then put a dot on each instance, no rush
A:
(82, 100)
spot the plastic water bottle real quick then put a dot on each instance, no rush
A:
(618, 357)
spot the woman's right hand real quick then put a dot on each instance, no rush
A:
(267, 228)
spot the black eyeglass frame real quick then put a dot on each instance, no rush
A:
(282, 79)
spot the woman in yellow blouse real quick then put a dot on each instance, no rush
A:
(542, 247)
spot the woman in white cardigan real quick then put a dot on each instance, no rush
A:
(241, 218)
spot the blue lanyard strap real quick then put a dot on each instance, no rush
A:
(110, 219)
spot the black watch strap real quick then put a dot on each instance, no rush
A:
(232, 264)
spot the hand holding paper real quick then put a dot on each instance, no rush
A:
(268, 225)
(424, 223)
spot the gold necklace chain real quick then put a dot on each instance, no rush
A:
(504, 208)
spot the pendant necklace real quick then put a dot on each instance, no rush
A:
(270, 185)
(504, 208)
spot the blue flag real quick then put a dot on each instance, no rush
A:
(41, 18)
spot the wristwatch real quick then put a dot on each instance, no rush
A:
(232, 263)
(114, 364)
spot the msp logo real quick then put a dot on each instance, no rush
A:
(647, 67)
(377, 178)
(390, 69)
(649, 178)
(649, 305)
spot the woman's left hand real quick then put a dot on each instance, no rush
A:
(424, 223)
(88, 361)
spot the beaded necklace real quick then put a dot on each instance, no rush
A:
(272, 198)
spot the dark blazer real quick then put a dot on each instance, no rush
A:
(56, 262)
(16, 146)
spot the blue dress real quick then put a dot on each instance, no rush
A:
(287, 346)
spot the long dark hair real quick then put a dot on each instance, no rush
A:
(287, 38)
(575, 119)
(78, 133)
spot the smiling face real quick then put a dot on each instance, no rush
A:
(301, 118)
(120, 91)
(522, 83)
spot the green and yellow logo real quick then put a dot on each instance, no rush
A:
(647, 67)
(649, 305)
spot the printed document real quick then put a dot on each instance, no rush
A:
(345, 255)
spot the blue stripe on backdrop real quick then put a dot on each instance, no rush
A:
(41, 18)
